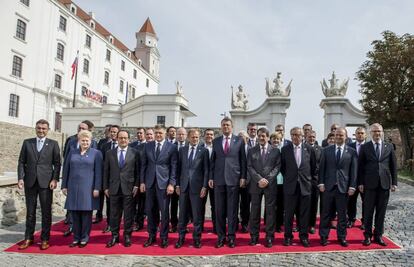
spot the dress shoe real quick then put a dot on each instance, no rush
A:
(343, 242)
(179, 243)
(380, 241)
(278, 229)
(173, 229)
(44, 245)
(367, 241)
(311, 230)
(74, 244)
(26, 243)
(68, 232)
(269, 243)
(149, 242)
(219, 243)
(164, 243)
(305, 242)
(287, 241)
(253, 241)
(97, 220)
(107, 229)
(114, 240)
(231, 243)
(197, 243)
(324, 241)
(82, 244)
(127, 241)
(244, 229)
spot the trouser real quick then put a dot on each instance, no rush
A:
(256, 202)
(157, 201)
(340, 200)
(82, 225)
(291, 202)
(121, 203)
(375, 200)
(226, 199)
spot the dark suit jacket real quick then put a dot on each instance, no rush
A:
(101, 142)
(343, 174)
(259, 169)
(115, 177)
(105, 148)
(196, 175)
(228, 169)
(42, 166)
(305, 174)
(373, 172)
(164, 169)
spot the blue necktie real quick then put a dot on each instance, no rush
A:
(338, 155)
(190, 158)
(157, 152)
(377, 150)
(121, 159)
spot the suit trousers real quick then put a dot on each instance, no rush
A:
(314, 206)
(270, 216)
(375, 200)
(244, 206)
(121, 203)
(280, 209)
(340, 200)
(352, 206)
(99, 213)
(45, 196)
(291, 203)
(190, 202)
(210, 196)
(82, 225)
(157, 201)
(227, 201)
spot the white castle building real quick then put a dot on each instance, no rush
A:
(42, 38)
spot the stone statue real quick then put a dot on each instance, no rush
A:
(334, 89)
(179, 88)
(277, 89)
(238, 98)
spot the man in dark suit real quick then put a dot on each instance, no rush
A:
(227, 175)
(106, 138)
(208, 144)
(377, 175)
(360, 136)
(298, 169)
(192, 183)
(158, 178)
(263, 165)
(38, 173)
(121, 184)
(337, 179)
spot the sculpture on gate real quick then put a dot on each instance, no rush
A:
(277, 88)
(238, 98)
(334, 89)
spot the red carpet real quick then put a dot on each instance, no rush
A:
(96, 246)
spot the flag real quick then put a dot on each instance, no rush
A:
(74, 66)
(126, 95)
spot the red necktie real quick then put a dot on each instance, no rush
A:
(226, 146)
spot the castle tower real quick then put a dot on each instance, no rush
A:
(146, 49)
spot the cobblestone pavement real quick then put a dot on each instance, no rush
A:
(399, 227)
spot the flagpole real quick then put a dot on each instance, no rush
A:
(76, 79)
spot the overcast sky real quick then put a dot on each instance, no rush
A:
(211, 45)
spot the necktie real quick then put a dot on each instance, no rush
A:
(113, 144)
(39, 145)
(190, 158)
(338, 155)
(297, 155)
(121, 159)
(263, 153)
(251, 143)
(377, 150)
(358, 146)
(158, 150)
(226, 146)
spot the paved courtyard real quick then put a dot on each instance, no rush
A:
(399, 227)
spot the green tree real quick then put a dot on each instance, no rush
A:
(387, 85)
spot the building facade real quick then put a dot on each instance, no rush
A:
(42, 38)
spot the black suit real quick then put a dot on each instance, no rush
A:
(337, 177)
(377, 175)
(192, 176)
(352, 200)
(263, 167)
(297, 186)
(120, 181)
(38, 169)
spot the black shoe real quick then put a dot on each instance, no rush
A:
(68, 232)
(197, 243)
(350, 224)
(278, 229)
(269, 243)
(305, 242)
(127, 241)
(231, 243)
(74, 244)
(179, 243)
(324, 241)
(149, 242)
(173, 229)
(287, 241)
(253, 241)
(367, 241)
(343, 242)
(244, 229)
(219, 243)
(97, 220)
(311, 230)
(380, 241)
(114, 240)
(82, 244)
(107, 229)
(164, 243)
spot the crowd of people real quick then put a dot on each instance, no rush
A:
(168, 174)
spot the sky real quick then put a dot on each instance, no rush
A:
(209, 46)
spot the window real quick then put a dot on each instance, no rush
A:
(60, 51)
(147, 83)
(58, 81)
(84, 90)
(133, 93)
(17, 66)
(85, 66)
(73, 10)
(25, 2)
(14, 105)
(122, 65)
(161, 120)
(121, 86)
(62, 23)
(88, 41)
(104, 99)
(108, 54)
(21, 29)
(106, 78)
(92, 25)
(135, 74)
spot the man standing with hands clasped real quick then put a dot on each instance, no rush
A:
(337, 180)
